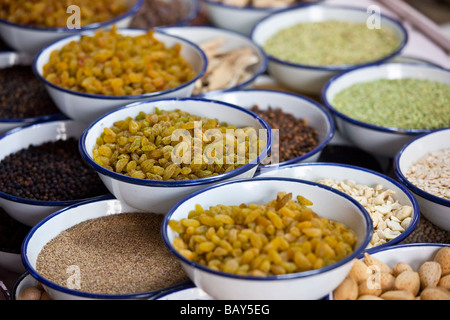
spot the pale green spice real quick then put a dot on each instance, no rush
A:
(400, 103)
(331, 43)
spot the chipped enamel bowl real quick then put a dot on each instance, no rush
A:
(434, 208)
(311, 79)
(309, 285)
(86, 107)
(30, 39)
(160, 196)
(379, 140)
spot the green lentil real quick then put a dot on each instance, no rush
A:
(331, 43)
(398, 103)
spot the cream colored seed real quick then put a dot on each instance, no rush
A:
(389, 217)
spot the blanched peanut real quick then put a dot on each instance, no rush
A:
(445, 282)
(359, 271)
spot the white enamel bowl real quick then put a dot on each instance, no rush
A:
(53, 225)
(309, 285)
(160, 196)
(435, 209)
(342, 172)
(301, 107)
(30, 39)
(311, 79)
(233, 40)
(27, 211)
(88, 107)
(240, 19)
(414, 254)
(8, 124)
(383, 141)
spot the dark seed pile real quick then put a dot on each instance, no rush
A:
(155, 13)
(52, 171)
(12, 233)
(296, 137)
(22, 95)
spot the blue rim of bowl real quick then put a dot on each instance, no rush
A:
(38, 119)
(405, 190)
(408, 245)
(289, 276)
(339, 68)
(39, 202)
(182, 183)
(328, 104)
(91, 26)
(406, 182)
(33, 272)
(262, 54)
(329, 135)
(127, 97)
(255, 9)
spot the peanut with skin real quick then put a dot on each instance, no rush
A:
(429, 273)
(400, 267)
(397, 295)
(434, 293)
(408, 281)
(445, 282)
(347, 290)
(359, 271)
(372, 261)
(443, 258)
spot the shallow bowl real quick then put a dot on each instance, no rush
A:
(343, 172)
(233, 40)
(88, 107)
(28, 211)
(382, 141)
(301, 107)
(53, 225)
(30, 39)
(435, 209)
(160, 196)
(311, 79)
(313, 284)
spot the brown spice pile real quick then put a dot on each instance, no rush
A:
(116, 254)
(296, 137)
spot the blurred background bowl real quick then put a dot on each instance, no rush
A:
(240, 19)
(254, 63)
(312, 284)
(382, 141)
(87, 107)
(434, 207)
(52, 226)
(310, 79)
(28, 211)
(341, 173)
(315, 115)
(162, 195)
(30, 39)
(157, 13)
